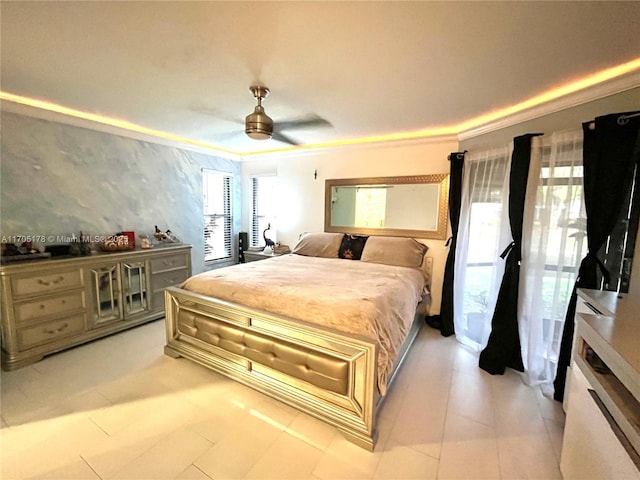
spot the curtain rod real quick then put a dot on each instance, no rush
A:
(622, 120)
(459, 156)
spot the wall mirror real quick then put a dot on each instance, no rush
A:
(413, 206)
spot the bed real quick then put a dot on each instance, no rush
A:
(323, 329)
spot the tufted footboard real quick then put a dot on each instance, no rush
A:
(322, 372)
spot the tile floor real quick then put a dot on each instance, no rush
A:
(118, 408)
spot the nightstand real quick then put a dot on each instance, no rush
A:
(258, 255)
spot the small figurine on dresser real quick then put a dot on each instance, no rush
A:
(171, 237)
(145, 243)
(159, 234)
(165, 237)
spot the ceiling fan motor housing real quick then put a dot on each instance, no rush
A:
(258, 125)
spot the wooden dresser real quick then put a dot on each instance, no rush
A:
(51, 305)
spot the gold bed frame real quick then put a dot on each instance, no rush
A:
(325, 373)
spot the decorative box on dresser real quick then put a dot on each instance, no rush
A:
(51, 305)
(602, 394)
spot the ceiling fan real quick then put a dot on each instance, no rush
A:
(259, 126)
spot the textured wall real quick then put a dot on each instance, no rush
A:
(58, 179)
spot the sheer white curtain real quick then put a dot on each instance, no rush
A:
(554, 242)
(483, 234)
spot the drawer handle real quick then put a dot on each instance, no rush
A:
(593, 309)
(54, 282)
(53, 331)
(43, 306)
(169, 263)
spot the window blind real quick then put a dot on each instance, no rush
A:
(263, 193)
(218, 218)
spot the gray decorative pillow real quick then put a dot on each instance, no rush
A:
(398, 251)
(321, 244)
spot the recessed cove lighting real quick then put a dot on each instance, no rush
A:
(259, 129)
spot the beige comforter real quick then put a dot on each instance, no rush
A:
(368, 299)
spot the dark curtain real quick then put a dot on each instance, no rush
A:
(610, 152)
(455, 199)
(503, 348)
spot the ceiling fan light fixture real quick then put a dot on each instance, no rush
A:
(258, 125)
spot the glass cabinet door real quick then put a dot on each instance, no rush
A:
(134, 283)
(105, 286)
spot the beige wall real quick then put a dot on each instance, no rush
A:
(301, 197)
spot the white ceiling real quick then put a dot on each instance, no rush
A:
(370, 68)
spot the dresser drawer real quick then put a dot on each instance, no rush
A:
(160, 281)
(170, 262)
(44, 307)
(35, 335)
(42, 284)
(157, 301)
(168, 279)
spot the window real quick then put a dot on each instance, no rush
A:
(554, 243)
(482, 237)
(218, 220)
(617, 252)
(263, 208)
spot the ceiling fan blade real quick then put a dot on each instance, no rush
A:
(284, 139)
(307, 122)
(229, 136)
(213, 112)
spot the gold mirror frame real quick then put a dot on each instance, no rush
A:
(443, 211)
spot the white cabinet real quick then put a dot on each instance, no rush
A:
(590, 448)
(602, 428)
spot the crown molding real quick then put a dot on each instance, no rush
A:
(595, 92)
(43, 114)
(49, 115)
(601, 90)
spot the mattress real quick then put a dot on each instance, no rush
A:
(370, 300)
